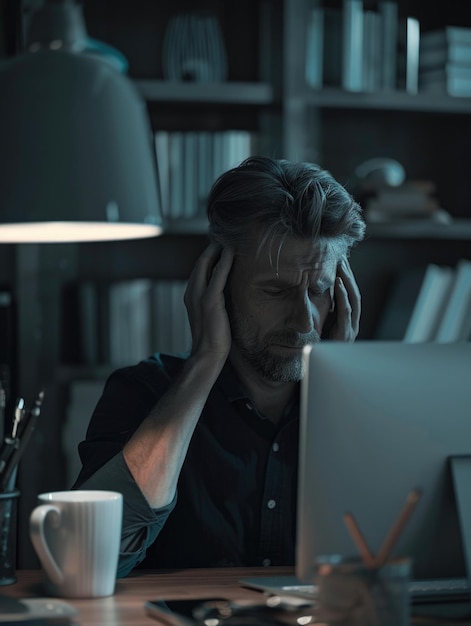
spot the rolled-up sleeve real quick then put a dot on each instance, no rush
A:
(141, 523)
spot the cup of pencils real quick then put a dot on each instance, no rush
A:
(12, 449)
(350, 593)
(8, 513)
(368, 589)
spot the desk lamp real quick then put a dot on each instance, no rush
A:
(76, 151)
(76, 156)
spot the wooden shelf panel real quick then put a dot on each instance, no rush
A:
(231, 92)
(457, 229)
(388, 100)
(263, 94)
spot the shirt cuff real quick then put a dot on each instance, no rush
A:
(141, 523)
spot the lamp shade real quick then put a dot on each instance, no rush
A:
(76, 156)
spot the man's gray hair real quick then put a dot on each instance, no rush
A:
(263, 200)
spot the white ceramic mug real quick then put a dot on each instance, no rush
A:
(77, 535)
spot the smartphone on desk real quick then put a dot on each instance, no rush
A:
(181, 612)
(220, 611)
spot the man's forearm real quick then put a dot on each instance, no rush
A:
(157, 450)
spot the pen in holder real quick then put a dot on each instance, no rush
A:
(12, 449)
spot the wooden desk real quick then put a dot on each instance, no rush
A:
(126, 606)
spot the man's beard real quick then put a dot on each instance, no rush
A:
(261, 357)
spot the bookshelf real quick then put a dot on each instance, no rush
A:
(267, 95)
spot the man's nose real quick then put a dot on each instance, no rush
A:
(303, 314)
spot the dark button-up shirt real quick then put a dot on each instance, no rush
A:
(236, 496)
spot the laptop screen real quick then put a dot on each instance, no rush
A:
(378, 420)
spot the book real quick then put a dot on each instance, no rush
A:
(452, 79)
(314, 48)
(88, 311)
(436, 58)
(83, 397)
(161, 141)
(85, 328)
(129, 321)
(204, 170)
(372, 51)
(414, 198)
(459, 35)
(171, 331)
(456, 319)
(401, 295)
(333, 45)
(352, 45)
(176, 168)
(389, 33)
(408, 54)
(190, 174)
(430, 304)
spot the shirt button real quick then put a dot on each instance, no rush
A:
(271, 504)
(275, 447)
(266, 562)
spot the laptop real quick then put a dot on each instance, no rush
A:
(379, 419)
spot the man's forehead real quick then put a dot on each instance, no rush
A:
(294, 256)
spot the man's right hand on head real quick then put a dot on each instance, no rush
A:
(205, 303)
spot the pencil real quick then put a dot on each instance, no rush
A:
(397, 528)
(3, 400)
(359, 540)
(7, 478)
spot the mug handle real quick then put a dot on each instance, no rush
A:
(38, 538)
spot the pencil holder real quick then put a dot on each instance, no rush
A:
(8, 513)
(352, 593)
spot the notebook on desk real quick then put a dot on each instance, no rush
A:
(377, 420)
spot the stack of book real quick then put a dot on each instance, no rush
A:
(120, 323)
(414, 199)
(445, 61)
(362, 49)
(188, 162)
(429, 304)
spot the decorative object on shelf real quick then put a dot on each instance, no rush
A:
(76, 156)
(194, 48)
(414, 199)
(382, 188)
(380, 170)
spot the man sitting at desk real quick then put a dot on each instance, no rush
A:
(204, 447)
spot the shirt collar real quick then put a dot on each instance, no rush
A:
(230, 384)
(232, 389)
